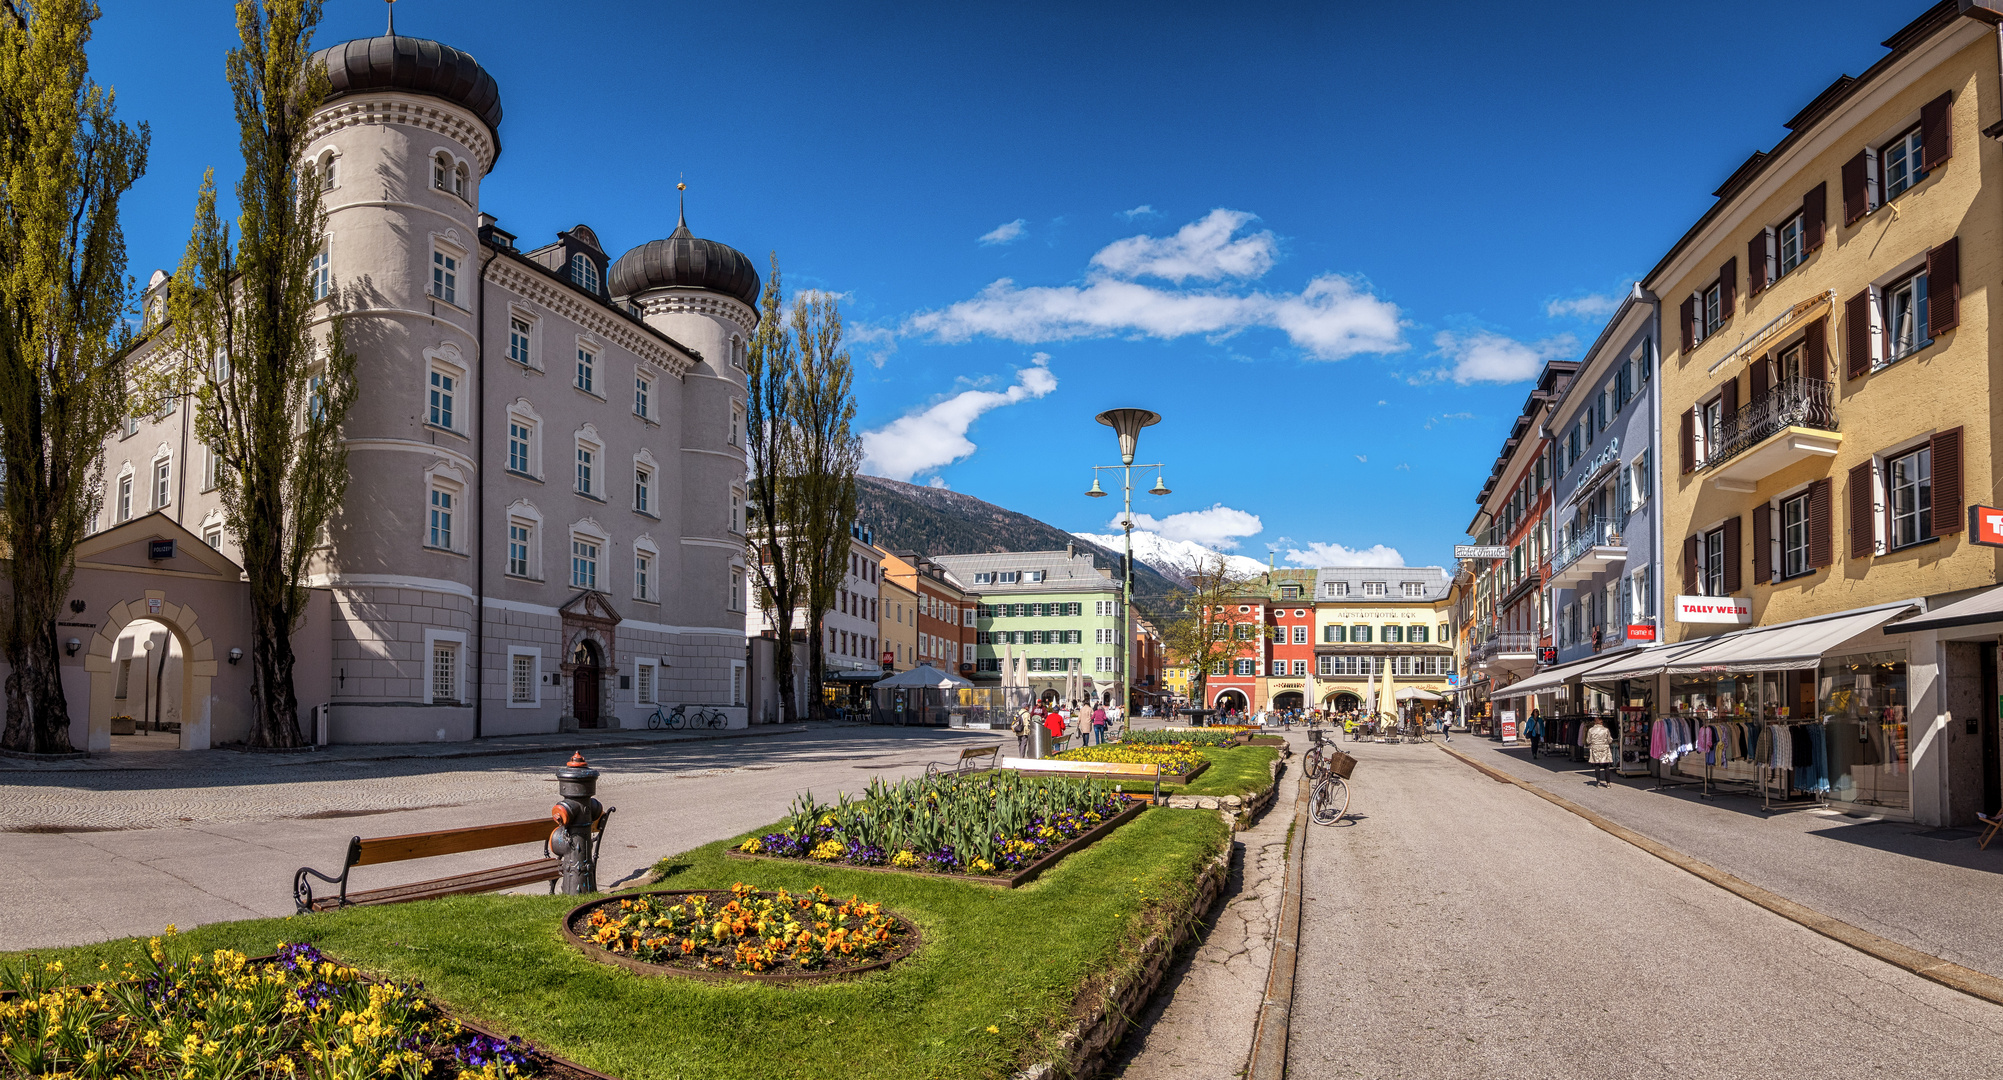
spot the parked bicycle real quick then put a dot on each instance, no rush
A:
(1328, 800)
(680, 717)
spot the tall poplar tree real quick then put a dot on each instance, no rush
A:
(271, 393)
(65, 163)
(773, 435)
(830, 453)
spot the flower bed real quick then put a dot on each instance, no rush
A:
(226, 1015)
(742, 934)
(987, 824)
(1172, 757)
(1189, 737)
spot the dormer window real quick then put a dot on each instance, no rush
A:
(1006, 577)
(584, 273)
(1032, 576)
(984, 578)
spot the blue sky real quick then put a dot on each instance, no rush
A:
(1328, 243)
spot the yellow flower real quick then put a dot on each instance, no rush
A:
(993, 1030)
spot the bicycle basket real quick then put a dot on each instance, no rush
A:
(1341, 764)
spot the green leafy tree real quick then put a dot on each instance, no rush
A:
(65, 164)
(271, 389)
(773, 455)
(822, 495)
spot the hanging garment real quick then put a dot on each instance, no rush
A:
(1818, 776)
(1657, 737)
(1804, 755)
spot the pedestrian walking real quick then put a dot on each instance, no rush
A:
(1533, 729)
(1446, 735)
(1600, 751)
(1099, 726)
(1054, 724)
(1020, 725)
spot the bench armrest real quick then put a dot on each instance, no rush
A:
(302, 890)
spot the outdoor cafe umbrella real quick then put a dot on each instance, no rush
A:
(924, 676)
(1413, 693)
(1390, 695)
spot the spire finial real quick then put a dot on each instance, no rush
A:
(682, 211)
(392, 17)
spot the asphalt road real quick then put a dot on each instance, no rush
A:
(87, 856)
(1461, 927)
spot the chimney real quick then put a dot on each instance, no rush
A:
(1070, 550)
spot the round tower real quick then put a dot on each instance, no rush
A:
(408, 131)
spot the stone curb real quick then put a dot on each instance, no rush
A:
(1926, 965)
(453, 755)
(1269, 1039)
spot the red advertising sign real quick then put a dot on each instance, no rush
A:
(1985, 525)
(1640, 633)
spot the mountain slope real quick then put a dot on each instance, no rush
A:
(936, 521)
(1174, 558)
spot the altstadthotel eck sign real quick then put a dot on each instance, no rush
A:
(1715, 609)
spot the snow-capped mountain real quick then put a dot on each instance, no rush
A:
(1172, 558)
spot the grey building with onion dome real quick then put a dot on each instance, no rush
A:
(544, 524)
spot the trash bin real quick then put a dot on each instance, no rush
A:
(1039, 741)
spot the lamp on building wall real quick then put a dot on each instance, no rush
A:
(235, 655)
(1127, 423)
(71, 646)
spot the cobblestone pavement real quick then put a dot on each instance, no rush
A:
(95, 855)
(1461, 927)
(1201, 1027)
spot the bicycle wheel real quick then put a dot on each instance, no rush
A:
(1331, 800)
(678, 719)
(718, 720)
(1313, 765)
(654, 720)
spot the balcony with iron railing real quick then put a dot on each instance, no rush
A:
(1793, 421)
(1506, 643)
(1588, 549)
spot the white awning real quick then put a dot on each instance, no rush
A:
(1555, 677)
(1413, 693)
(1787, 647)
(1643, 662)
(1983, 607)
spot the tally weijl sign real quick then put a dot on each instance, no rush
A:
(1715, 609)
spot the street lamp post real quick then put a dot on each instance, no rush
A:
(1128, 424)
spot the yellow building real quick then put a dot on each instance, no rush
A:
(1175, 680)
(1827, 403)
(897, 623)
(1366, 617)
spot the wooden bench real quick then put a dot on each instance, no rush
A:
(1104, 770)
(424, 845)
(961, 764)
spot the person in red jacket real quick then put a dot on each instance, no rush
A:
(1054, 723)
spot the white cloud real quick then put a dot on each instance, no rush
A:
(1484, 356)
(1590, 306)
(1364, 458)
(1218, 527)
(938, 482)
(936, 435)
(1402, 467)
(1203, 249)
(1381, 401)
(1007, 234)
(1143, 210)
(1331, 318)
(1319, 555)
(1438, 420)
(874, 343)
(1172, 557)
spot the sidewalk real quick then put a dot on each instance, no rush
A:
(130, 752)
(1926, 888)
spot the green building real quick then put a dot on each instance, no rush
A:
(1055, 613)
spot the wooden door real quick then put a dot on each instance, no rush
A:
(584, 695)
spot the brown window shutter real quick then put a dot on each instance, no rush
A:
(1854, 204)
(1943, 287)
(1947, 507)
(1756, 261)
(1690, 567)
(1814, 212)
(1863, 521)
(1937, 132)
(1689, 319)
(1815, 351)
(1857, 335)
(1820, 553)
(1761, 368)
(1733, 583)
(1728, 398)
(1689, 439)
(1728, 288)
(1762, 544)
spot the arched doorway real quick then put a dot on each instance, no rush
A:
(1344, 701)
(585, 674)
(148, 699)
(1228, 700)
(1291, 699)
(169, 683)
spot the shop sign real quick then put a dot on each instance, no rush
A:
(1640, 633)
(1481, 551)
(1508, 723)
(1985, 525)
(1715, 609)
(1608, 457)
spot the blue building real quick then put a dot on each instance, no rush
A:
(1605, 584)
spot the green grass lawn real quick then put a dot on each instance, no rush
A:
(1013, 960)
(1238, 770)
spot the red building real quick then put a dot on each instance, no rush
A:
(1290, 650)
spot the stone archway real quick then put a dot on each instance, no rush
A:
(198, 666)
(1232, 699)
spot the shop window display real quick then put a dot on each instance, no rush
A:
(1862, 700)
